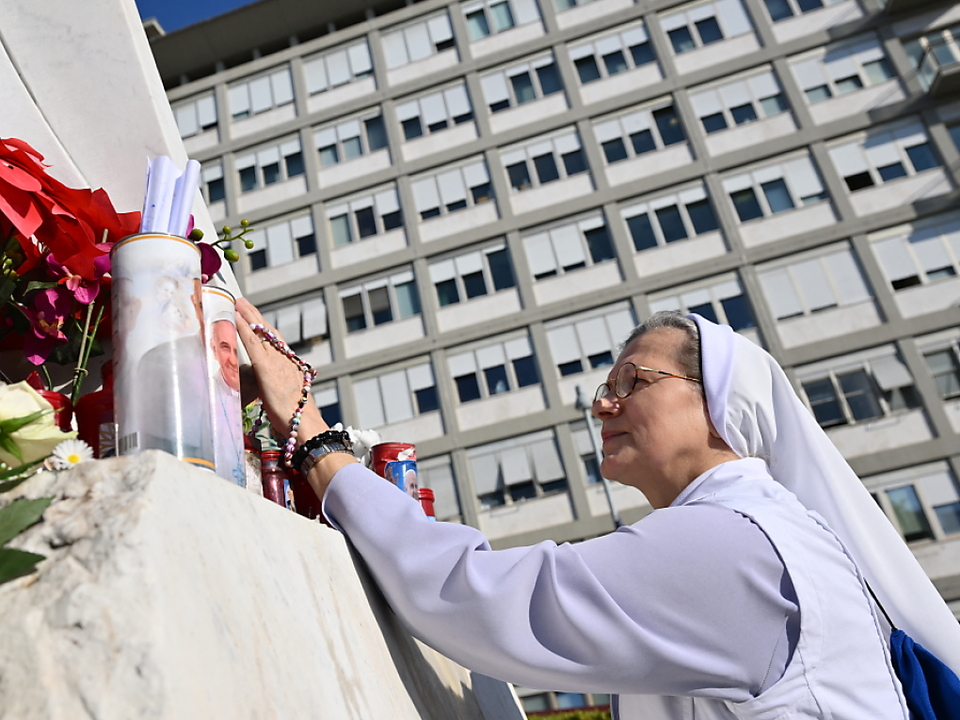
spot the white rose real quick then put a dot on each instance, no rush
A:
(37, 439)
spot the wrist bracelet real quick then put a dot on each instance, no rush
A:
(327, 442)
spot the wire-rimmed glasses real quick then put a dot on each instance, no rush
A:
(626, 381)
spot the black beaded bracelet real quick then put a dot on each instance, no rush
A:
(328, 437)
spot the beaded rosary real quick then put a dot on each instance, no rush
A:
(308, 375)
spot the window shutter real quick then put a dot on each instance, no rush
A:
(369, 403)
(813, 283)
(397, 403)
(564, 345)
(359, 56)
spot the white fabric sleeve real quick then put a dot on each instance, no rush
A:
(687, 601)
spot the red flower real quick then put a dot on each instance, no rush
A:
(85, 291)
(50, 310)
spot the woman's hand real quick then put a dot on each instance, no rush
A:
(279, 378)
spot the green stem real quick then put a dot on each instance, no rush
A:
(81, 370)
(47, 380)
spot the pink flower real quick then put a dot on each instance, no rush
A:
(210, 260)
(46, 320)
(85, 291)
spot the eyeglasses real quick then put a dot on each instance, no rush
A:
(626, 381)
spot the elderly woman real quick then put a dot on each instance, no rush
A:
(730, 599)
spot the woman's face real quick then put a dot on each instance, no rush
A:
(659, 438)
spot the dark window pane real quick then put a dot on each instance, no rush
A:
(709, 30)
(353, 313)
(329, 156)
(392, 220)
(519, 176)
(705, 311)
(738, 312)
(477, 25)
(602, 359)
(642, 232)
(714, 123)
(474, 285)
(306, 245)
(523, 491)
(574, 162)
(526, 370)
(258, 260)
(818, 94)
(467, 387)
(294, 164)
(955, 135)
(496, 379)
(910, 517)
(778, 196)
(642, 54)
(598, 241)
(376, 133)
(643, 142)
(366, 222)
(248, 179)
(499, 105)
(380, 305)
(743, 114)
(412, 128)
(570, 368)
(352, 148)
(858, 390)
(427, 400)
(437, 126)
(587, 69)
(467, 116)
(593, 477)
(891, 172)
(824, 403)
(216, 190)
(445, 45)
(271, 173)
(614, 150)
(523, 88)
(615, 62)
(773, 105)
(501, 269)
(745, 202)
(669, 125)
(848, 84)
(427, 214)
(671, 223)
(779, 9)
(331, 414)
(946, 372)
(808, 5)
(456, 205)
(906, 282)
(546, 168)
(482, 193)
(447, 293)
(922, 157)
(702, 217)
(858, 181)
(682, 40)
(949, 517)
(549, 78)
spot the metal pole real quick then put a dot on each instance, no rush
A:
(582, 404)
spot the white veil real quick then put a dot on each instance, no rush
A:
(756, 411)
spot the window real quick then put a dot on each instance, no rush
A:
(396, 396)
(884, 156)
(328, 401)
(267, 165)
(739, 102)
(417, 41)
(721, 302)
(453, 189)
(496, 16)
(841, 69)
(920, 256)
(260, 94)
(282, 242)
(784, 9)
(613, 54)
(669, 218)
(568, 247)
(704, 24)
(517, 469)
(473, 274)
(922, 501)
(933, 51)
(377, 302)
(494, 369)
(436, 473)
(639, 132)
(859, 391)
(544, 161)
(364, 217)
(435, 112)
(954, 131)
(945, 370)
(775, 188)
(805, 285)
(211, 182)
(590, 340)
(523, 83)
(301, 324)
(196, 115)
(351, 139)
(337, 67)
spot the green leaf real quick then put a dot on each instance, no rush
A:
(11, 425)
(6, 290)
(38, 285)
(7, 443)
(19, 515)
(11, 484)
(16, 563)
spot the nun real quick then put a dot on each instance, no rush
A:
(743, 594)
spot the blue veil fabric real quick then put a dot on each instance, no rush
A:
(931, 688)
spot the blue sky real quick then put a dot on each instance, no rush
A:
(175, 14)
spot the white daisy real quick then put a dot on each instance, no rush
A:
(70, 453)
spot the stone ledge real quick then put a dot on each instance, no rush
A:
(170, 593)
